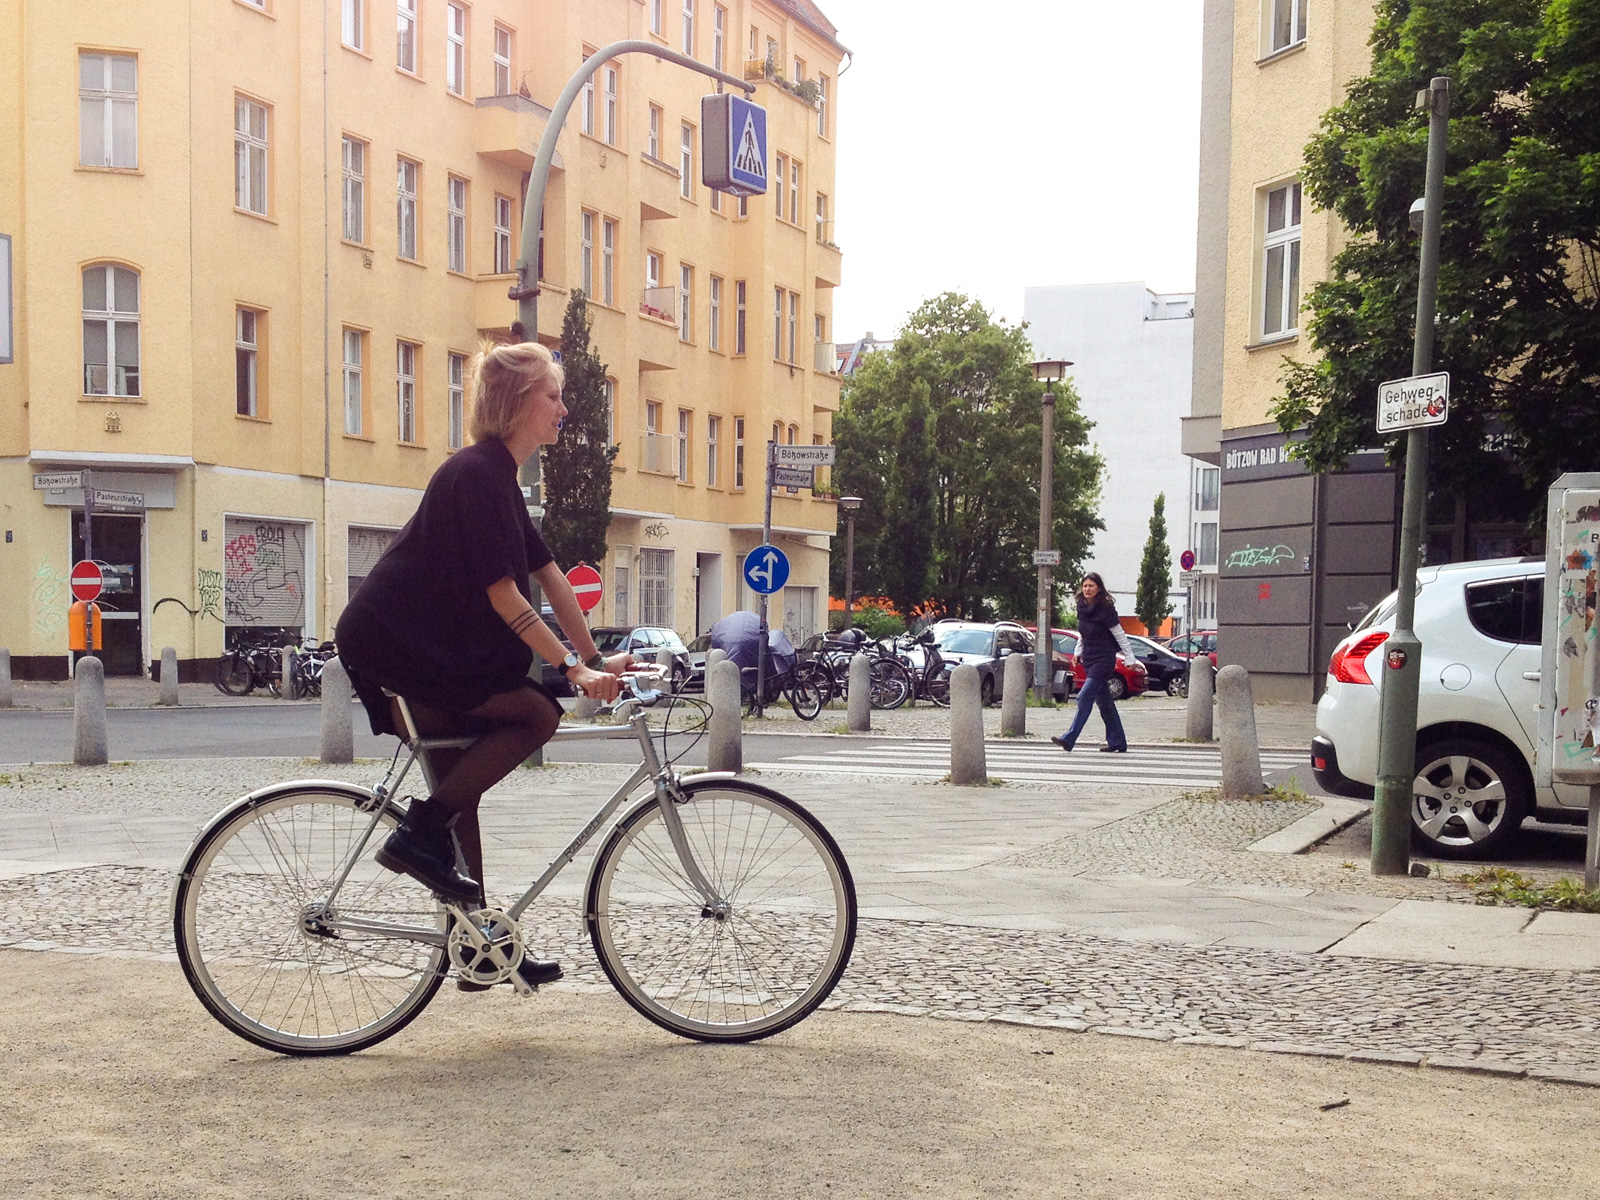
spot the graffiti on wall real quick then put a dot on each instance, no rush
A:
(50, 600)
(208, 588)
(263, 572)
(1259, 556)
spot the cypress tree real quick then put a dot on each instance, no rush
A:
(577, 469)
(1152, 602)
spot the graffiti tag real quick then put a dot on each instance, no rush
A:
(1259, 556)
(49, 601)
(258, 586)
(208, 587)
(658, 530)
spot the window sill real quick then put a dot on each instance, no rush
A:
(412, 445)
(1282, 339)
(260, 10)
(413, 262)
(92, 170)
(113, 399)
(362, 246)
(493, 275)
(686, 483)
(460, 96)
(359, 51)
(659, 165)
(411, 75)
(458, 274)
(239, 416)
(1277, 55)
(360, 437)
(249, 212)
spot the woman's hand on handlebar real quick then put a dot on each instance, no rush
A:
(604, 684)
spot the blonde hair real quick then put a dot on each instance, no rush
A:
(501, 377)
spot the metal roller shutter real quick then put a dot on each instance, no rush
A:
(264, 573)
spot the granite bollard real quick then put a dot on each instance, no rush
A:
(1197, 719)
(89, 712)
(1241, 752)
(338, 736)
(6, 697)
(858, 717)
(1014, 695)
(167, 697)
(726, 749)
(968, 764)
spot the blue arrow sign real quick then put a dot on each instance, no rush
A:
(766, 569)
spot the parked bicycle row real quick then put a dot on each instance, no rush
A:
(255, 660)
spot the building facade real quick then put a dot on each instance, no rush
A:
(1132, 351)
(255, 244)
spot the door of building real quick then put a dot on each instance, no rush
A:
(119, 549)
(708, 591)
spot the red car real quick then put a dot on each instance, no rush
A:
(1069, 673)
(1202, 641)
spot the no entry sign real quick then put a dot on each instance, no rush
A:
(86, 580)
(586, 585)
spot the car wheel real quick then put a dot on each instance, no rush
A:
(1117, 686)
(680, 676)
(986, 691)
(1178, 686)
(1468, 798)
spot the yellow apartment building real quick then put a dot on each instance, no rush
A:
(253, 245)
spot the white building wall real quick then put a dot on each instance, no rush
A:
(1132, 355)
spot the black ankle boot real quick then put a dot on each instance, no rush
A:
(425, 849)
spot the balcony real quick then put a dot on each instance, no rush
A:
(508, 129)
(658, 454)
(657, 335)
(493, 309)
(660, 191)
(826, 259)
(826, 358)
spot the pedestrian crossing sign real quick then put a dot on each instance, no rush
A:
(733, 145)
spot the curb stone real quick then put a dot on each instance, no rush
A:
(1393, 1058)
(1335, 814)
(1296, 1048)
(1589, 1079)
(1477, 1066)
(1149, 1035)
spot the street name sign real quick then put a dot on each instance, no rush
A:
(1414, 403)
(792, 477)
(587, 586)
(766, 569)
(804, 456)
(1047, 558)
(57, 481)
(733, 145)
(123, 501)
(1188, 578)
(86, 580)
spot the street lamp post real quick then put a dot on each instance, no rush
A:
(1048, 373)
(849, 504)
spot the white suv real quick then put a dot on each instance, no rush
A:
(1477, 718)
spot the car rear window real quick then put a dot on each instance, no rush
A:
(1507, 610)
(967, 641)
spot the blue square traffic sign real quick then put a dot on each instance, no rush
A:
(733, 145)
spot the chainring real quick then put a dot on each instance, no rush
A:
(488, 948)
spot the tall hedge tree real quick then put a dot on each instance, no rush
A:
(1152, 601)
(577, 469)
(1519, 278)
(975, 457)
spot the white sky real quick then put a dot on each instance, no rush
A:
(961, 168)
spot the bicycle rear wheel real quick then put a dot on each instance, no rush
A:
(233, 677)
(891, 684)
(939, 688)
(756, 963)
(266, 954)
(805, 697)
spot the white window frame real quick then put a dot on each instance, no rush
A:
(716, 200)
(608, 261)
(822, 106)
(609, 75)
(740, 317)
(1280, 262)
(405, 50)
(456, 389)
(118, 326)
(251, 161)
(353, 152)
(719, 36)
(1286, 24)
(502, 235)
(653, 144)
(686, 161)
(822, 217)
(455, 49)
(799, 69)
(688, 27)
(652, 269)
(456, 199)
(99, 108)
(246, 361)
(504, 47)
(685, 420)
(354, 354)
(777, 322)
(794, 191)
(685, 302)
(353, 23)
(780, 171)
(794, 326)
(738, 454)
(586, 252)
(406, 207)
(713, 444)
(714, 329)
(609, 388)
(405, 378)
(586, 106)
(655, 587)
(655, 17)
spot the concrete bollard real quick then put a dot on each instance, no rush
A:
(338, 738)
(167, 697)
(713, 657)
(1197, 719)
(586, 708)
(6, 697)
(726, 751)
(664, 664)
(1014, 695)
(858, 715)
(968, 765)
(89, 712)
(286, 682)
(1241, 752)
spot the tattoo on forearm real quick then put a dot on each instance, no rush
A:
(523, 622)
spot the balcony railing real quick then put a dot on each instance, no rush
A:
(827, 358)
(659, 302)
(658, 454)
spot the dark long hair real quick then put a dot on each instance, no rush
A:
(1101, 596)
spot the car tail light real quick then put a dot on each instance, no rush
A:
(1349, 663)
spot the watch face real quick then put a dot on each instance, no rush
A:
(570, 661)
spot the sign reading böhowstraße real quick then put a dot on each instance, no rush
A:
(1413, 403)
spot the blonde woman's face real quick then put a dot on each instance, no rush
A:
(542, 412)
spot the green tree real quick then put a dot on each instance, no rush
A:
(577, 469)
(1151, 602)
(1519, 280)
(975, 456)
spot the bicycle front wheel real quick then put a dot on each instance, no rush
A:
(267, 954)
(233, 677)
(759, 959)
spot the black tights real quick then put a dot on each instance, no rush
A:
(510, 726)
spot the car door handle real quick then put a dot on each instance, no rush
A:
(1531, 676)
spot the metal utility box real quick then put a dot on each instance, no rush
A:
(1569, 676)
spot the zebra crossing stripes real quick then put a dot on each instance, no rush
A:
(1163, 766)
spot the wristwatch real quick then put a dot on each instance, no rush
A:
(570, 661)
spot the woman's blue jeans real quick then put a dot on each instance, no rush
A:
(1095, 691)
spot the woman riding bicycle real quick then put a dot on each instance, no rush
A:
(446, 620)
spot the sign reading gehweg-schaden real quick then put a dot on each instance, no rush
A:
(1413, 403)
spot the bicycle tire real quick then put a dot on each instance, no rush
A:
(817, 675)
(754, 971)
(233, 676)
(939, 688)
(805, 697)
(891, 684)
(246, 938)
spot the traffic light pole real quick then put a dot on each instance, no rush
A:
(1397, 713)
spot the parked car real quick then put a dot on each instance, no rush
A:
(698, 649)
(1067, 673)
(645, 641)
(1166, 672)
(1202, 641)
(1479, 623)
(985, 646)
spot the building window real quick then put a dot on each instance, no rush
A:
(611, 411)
(685, 303)
(108, 110)
(455, 49)
(688, 27)
(354, 407)
(456, 381)
(353, 23)
(713, 440)
(1207, 489)
(822, 106)
(587, 105)
(738, 316)
(777, 322)
(586, 252)
(719, 35)
(794, 192)
(502, 235)
(822, 218)
(355, 190)
(610, 74)
(406, 208)
(110, 331)
(738, 454)
(755, 40)
(456, 222)
(406, 389)
(1288, 24)
(502, 60)
(250, 155)
(657, 446)
(820, 327)
(744, 206)
(608, 257)
(246, 367)
(1280, 281)
(799, 69)
(684, 417)
(1206, 551)
(406, 35)
(655, 17)
(794, 325)
(653, 146)
(780, 172)
(716, 201)
(620, 574)
(686, 162)
(714, 330)
(655, 588)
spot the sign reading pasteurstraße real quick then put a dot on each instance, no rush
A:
(1413, 403)
(804, 456)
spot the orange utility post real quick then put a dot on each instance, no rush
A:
(83, 626)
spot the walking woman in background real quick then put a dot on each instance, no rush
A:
(1100, 637)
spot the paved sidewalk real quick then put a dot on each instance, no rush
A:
(1132, 909)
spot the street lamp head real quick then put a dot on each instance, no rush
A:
(1418, 207)
(850, 503)
(1050, 372)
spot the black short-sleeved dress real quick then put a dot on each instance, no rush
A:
(421, 624)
